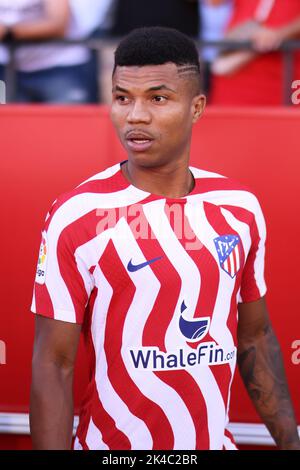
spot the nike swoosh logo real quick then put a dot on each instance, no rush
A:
(135, 267)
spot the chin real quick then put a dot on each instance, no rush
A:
(146, 160)
(142, 159)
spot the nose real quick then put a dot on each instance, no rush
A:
(139, 113)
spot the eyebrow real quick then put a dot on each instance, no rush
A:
(161, 87)
(154, 88)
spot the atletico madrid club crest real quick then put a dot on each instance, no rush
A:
(229, 253)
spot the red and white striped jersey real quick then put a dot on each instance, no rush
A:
(155, 282)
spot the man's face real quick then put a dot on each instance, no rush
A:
(153, 110)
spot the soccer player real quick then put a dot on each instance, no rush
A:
(152, 259)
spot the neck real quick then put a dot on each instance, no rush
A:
(172, 181)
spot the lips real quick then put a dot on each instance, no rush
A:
(139, 141)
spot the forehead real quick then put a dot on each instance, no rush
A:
(147, 76)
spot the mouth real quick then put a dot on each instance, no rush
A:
(139, 142)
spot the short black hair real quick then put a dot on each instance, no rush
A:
(157, 45)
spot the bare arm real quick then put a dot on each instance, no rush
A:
(291, 30)
(261, 367)
(267, 39)
(51, 397)
(53, 24)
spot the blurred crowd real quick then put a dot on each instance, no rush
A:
(56, 73)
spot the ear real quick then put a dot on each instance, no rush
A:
(198, 106)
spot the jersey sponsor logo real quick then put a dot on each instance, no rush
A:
(135, 267)
(206, 354)
(195, 328)
(42, 261)
(227, 247)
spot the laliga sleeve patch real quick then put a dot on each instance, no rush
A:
(42, 261)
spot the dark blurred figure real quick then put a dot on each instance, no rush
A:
(214, 15)
(179, 14)
(50, 73)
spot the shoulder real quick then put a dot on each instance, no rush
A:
(200, 173)
(225, 191)
(211, 181)
(85, 197)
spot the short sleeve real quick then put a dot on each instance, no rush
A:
(63, 283)
(253, 285)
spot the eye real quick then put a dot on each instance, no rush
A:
(122, 99)
(159, 98)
